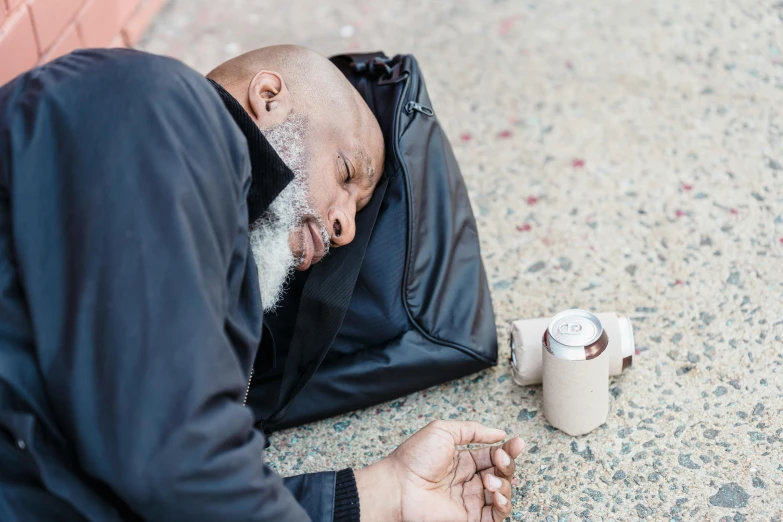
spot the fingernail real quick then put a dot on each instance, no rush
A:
(505, 459)
(502, 500)
(494, 482)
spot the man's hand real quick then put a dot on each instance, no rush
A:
(426, 479)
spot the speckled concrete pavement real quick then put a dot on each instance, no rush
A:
(620, 155)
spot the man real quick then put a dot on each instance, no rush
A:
(146, 221)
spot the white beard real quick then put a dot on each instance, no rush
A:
(269, 235)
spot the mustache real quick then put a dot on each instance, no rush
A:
(303, 221)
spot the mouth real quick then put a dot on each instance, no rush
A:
(313, 248)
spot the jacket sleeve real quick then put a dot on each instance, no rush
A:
(327, 496)
(129, 215)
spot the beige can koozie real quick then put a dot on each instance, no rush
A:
(576, 393)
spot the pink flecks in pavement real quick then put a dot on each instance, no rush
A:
(781, 240)
(733, 211)
(578, 163)
(532, 200)
(504, 134)
(678, 282)
(687, 186)
(507, 24)
(569, 65)
(679, 213)
(465, 137)
(523, 228)
(547, 243)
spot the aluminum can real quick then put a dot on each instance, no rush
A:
(575, 372)
(575, 335)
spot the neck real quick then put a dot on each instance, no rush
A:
(238, 92)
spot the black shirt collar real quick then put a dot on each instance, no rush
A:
(270, 174)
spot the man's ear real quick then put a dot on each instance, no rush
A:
(269, 99)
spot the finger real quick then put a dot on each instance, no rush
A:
(498, 511)
(503, 458)
(501, 508)
(494, 484)
(504, 463)
(488, 458)
(514, 447)
(468, 432)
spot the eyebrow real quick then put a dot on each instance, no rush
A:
(369, 172)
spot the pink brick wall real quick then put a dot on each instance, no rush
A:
(33, 32)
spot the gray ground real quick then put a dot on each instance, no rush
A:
(620, 155)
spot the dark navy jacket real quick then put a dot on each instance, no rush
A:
(129, 307)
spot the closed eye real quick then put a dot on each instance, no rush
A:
(348, 176)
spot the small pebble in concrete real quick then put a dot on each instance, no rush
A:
(526, 415)
(730, 495)
(685, 461)
(642, 511)
(565, 263)
(341, 426)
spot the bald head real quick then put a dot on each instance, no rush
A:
(309, 76)
(321, 127)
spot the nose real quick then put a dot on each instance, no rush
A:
(342, 224)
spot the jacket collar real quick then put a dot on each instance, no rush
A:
(270, 174)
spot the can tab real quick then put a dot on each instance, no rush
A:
(570, 328)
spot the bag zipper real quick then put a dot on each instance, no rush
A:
(247, 391)
(413, 106)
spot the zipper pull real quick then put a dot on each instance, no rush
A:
(413, 106)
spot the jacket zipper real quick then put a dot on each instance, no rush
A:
(247, 391)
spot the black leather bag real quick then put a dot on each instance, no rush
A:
(406, 305)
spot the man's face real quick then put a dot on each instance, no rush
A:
(336, 164)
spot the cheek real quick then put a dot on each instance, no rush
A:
(323, 190)
(318, 198)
